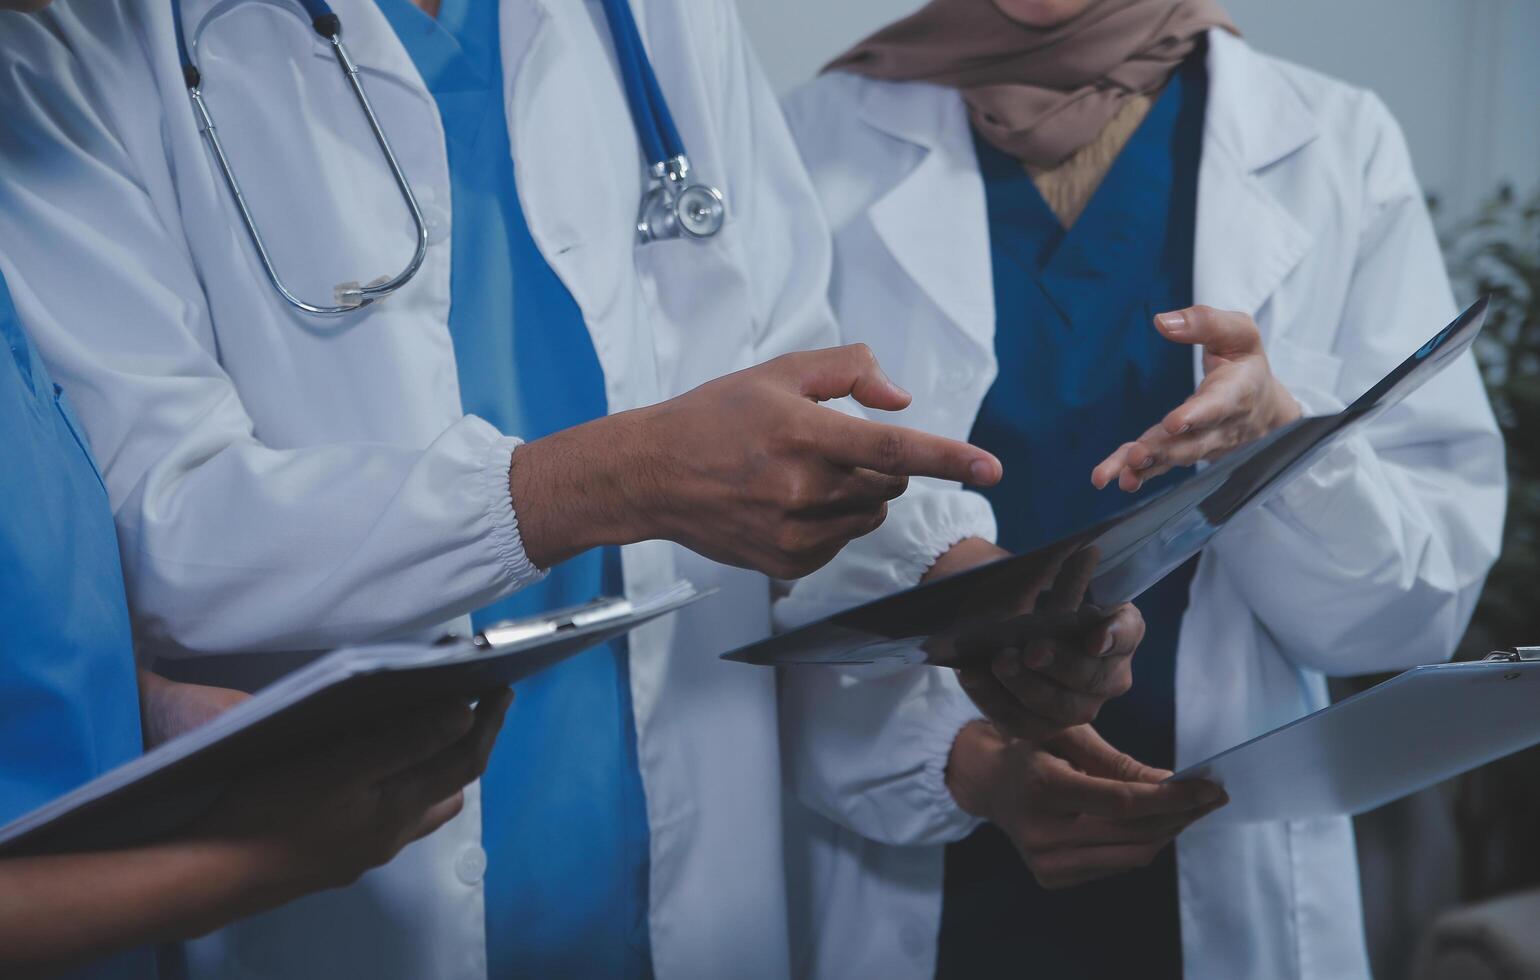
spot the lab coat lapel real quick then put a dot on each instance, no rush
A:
(1247, 242)
(579, 173)
(934, 221)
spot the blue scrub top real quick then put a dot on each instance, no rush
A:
(69, 695)
(1082, 370)
(563, 818)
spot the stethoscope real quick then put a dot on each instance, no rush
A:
(672, 206)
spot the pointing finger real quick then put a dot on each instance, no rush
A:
(899, 451)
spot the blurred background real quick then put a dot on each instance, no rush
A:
(1452, 876)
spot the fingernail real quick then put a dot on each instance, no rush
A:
(1210, 794)
(1173, 322)
(982, 471)
(1148, 462)
(1038, 656)
(1184, 429)
(1112, 633)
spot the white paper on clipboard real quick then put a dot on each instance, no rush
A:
(1414, 730)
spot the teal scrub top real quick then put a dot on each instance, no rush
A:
(563, 818)
(69, 694)
(1082, 370)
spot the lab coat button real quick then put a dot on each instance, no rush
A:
(958, 378)
(437, 223)
(471, 865)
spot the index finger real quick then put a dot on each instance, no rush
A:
(893, 449)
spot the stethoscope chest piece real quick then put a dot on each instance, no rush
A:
(675, 208)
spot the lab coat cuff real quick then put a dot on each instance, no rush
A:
(921, 526)
(948, 712)
(1304, 500)
(1322, 504)
(507, 542)
(947, 517)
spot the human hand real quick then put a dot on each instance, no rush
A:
(168, 708)
(1031, 686)
(1239, 401)
(748, 469)
(323, 821)
(1075, 808)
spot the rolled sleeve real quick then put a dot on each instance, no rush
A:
(922, 526)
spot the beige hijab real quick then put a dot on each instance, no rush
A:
(1039, 94)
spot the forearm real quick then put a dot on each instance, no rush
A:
(60, 911)
(582, 488)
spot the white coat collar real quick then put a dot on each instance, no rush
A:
(1247, 242)
(934, 220)
(924, 219)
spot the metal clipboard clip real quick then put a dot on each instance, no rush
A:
(514, 632)
(1516, 655)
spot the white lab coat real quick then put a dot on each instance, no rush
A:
(285, 485)
(1310, 219)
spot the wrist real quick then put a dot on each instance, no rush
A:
(574, 490)
(225, 879)
(1286, 407)
(965, 554)
(973, 768)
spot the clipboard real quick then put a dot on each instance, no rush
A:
(1063, 589)
(169, 786)
(1406, 734)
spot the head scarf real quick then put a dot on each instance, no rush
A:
(1039, 94)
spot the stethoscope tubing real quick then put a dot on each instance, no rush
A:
(668, 163)
(655, 126)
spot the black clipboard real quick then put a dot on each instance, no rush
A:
(1066, 587)
(166, 788)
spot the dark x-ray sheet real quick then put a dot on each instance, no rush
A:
(1061, 589)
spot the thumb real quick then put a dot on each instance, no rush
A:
(851, 370)
(1093, 755)
(1222, 333)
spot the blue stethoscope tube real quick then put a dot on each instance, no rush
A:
(673, 207)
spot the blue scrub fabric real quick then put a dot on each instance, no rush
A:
(564, 821)
(69, 696)
(1082, 370)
